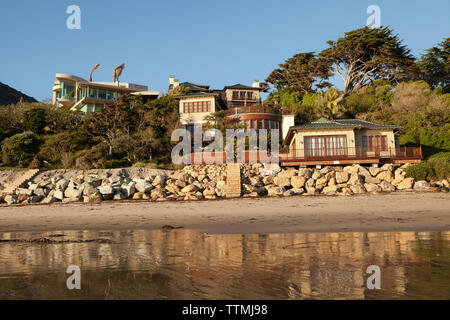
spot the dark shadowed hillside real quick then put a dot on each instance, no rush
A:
(9, 95)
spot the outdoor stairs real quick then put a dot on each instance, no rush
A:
(20, 181)
(233, 186)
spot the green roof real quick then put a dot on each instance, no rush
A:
(194, 87)
(241, 86)
(198, 94)
(323, 123)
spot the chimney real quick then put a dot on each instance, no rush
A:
(256, 84)
(171, 80)
(176, 83)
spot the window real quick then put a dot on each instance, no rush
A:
(250, 95)
(374, 143)
(194, 107)
(323, 146)
(102, 94)
(260, 124)
(92, 93)
(67, 90)
(384, 144)
(266, 124)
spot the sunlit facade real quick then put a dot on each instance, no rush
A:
(78, 94)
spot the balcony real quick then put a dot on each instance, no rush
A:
(233, 110)
(332, 156)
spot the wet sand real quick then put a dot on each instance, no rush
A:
(401, 211)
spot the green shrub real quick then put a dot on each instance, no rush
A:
(118, 163)
(421, 171)
(441, 165)
(96, 158)
(436, 168)
(35, 119)
(57, 148)
(20, 149)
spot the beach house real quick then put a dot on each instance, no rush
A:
(345, 141)
(241, 103)
(78, 94)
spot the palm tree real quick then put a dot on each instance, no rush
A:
(117, 72)
(96, 67)
(328, 102)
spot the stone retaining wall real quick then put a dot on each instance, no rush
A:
(210, 182)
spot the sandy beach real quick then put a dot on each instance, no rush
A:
(401, 211)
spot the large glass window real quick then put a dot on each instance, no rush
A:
(67, 90)
(320, 146)
(110, 95)
(266, 124)
(92, 93)
(102, 94)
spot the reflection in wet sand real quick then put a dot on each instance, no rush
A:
(186, 264)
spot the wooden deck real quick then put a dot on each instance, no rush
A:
(338, 157)
(352, 156)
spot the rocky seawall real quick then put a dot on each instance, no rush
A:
(210, 181)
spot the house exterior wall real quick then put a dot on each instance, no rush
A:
(229, 94)
(196, 117)
(287, 121)
(297, 146)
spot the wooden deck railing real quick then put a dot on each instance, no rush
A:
(401, 153)
(240, 109)
(354, 154)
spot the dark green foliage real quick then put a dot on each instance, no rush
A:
(365, 55)
(35, 119)
(303, 73)
(421, 171)
(436, 167)
(59, 148)
(94, 158)
(435, 66)
(20, 149)
(134, 131)
(126, 133)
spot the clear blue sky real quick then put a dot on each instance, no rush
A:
(212, 42)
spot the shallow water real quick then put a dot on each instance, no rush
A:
(187, 264)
